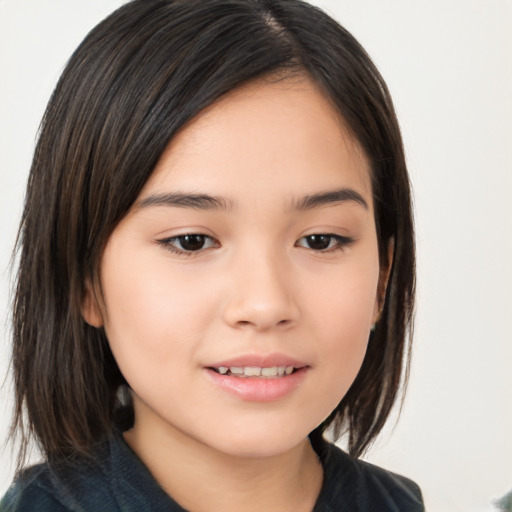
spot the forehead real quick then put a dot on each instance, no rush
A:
(263, 139)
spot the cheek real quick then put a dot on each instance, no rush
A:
(345, 296)
(153, 314)
(343, 317)
(344, 331)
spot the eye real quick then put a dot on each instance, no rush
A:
(186, 244)
(324, 242)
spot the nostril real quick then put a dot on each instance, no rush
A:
(248, 323)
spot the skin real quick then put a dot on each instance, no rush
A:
(257, 286)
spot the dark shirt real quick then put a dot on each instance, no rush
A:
(118, 481)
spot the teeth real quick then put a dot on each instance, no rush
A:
(254, 371)
(269, 372)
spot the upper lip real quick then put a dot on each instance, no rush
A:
(259, 361)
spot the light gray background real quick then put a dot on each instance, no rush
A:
(449, 67)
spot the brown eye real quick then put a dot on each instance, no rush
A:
(185, 244)
(324, 242)
(192, 242)
(318, 242)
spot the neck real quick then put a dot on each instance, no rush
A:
(202, 479)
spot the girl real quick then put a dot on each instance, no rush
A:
(216, 266)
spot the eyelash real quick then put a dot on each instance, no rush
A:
(169, 243)
(340, 242)
(334, 243)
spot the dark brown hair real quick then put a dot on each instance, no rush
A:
(135, 80)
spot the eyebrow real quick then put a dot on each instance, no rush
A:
(182, 200)
(343, 195)
(208, 202)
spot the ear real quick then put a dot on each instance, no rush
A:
(385, 271)
(90, 308)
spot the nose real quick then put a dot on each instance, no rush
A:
(261, 295)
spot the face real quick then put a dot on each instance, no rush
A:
(241, 287)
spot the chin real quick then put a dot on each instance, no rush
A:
(248, 443)
(253, 450)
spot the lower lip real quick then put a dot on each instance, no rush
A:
(256, 389)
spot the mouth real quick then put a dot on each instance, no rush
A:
(258, 378)
(267, 372)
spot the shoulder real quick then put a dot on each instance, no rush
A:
(350, 482)
(45, 488)
(113, 479)
(386, 486)
(29, 492)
